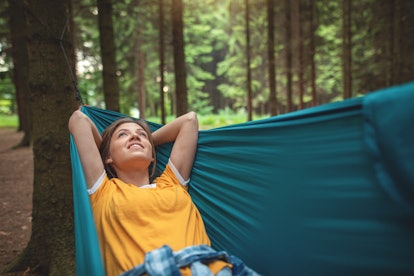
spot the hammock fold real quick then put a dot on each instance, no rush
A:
(326, 190)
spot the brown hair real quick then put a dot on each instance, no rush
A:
(106, 141)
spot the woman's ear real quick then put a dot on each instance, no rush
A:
(108, 160)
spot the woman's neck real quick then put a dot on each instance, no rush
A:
(137, 178)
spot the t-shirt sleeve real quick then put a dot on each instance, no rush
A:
(178, 175)
(171, 176)
(97, 184)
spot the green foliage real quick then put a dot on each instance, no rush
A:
(7, 100)
(88, 53)
(203, 36)
(224, 117)
(9, 121)
(7, 89)
(329, 50)
(215, 51)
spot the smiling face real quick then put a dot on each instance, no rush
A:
(127, 145)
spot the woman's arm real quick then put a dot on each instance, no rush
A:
(87, 140)
(184, 132)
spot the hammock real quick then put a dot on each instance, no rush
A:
(326, 190)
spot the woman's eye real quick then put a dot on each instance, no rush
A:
(121, 134)
(143, 134)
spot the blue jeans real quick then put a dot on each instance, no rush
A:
(163, 261)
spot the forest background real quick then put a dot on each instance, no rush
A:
(321, 51)
(159, 59)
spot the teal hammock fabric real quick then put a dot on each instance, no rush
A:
(322, 191)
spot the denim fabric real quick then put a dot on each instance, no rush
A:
(163, 261)
(197, 268)
(226, 271)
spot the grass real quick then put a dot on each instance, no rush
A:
(214, 120)
(205, 121)
(11, 121)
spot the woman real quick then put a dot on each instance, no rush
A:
(132, 215)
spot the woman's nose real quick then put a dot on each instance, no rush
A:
(135, 136)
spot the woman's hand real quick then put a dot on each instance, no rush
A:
(183, 131)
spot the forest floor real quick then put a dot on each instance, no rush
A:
(16, 180)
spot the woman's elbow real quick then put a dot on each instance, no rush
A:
(192, 119)
(74, 119)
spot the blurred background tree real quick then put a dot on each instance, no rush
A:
(380, 35)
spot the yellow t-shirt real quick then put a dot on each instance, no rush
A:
(131, 221)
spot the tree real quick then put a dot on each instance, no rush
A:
(50, 250)
(328, 46)
(108, 51)
(248, 68)
(86, 35)
(135, 29)
(180, 72)
(312, 50)
(271, 56)
(300, 46)
(347, 48)
(20, 67)
(215, 60)
(161, 49)
(288, 46)
(395, 42)
(204, 36)
(141, 95)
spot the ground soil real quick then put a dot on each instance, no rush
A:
(16, 182)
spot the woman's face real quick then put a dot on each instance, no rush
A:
(130, 148)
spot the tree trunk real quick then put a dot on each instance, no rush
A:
(18, 37)
(396, 43)
(179, 58)
(141, 95)
(248, 69)
(271, 57)
(347, 48)
(312, 51)
(161, 49)
(288, 31)
(108, 51)
(300, 53)
(50, 250)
